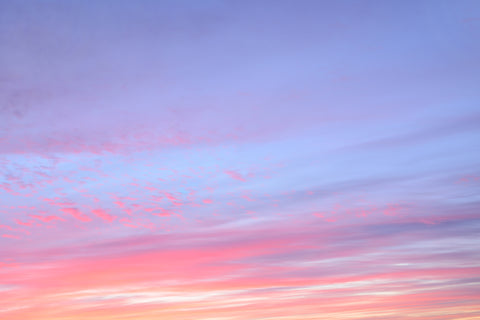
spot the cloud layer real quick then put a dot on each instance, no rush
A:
(223, 160)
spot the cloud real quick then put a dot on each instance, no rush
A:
(246, 268)
(77, 214)
(238, 160)
(103, 215)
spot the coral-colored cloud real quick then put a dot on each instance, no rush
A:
(77, 214)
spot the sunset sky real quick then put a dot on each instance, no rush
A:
(239, 160)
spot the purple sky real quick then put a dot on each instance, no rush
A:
(337, 142)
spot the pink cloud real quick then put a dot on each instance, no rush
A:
(46, 218)
(104, 215)
(134, 277)
(77, 214)
(11, 236)
(235, 175)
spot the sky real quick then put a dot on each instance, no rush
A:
(232, 160)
